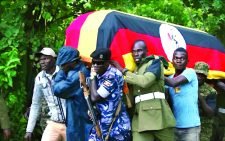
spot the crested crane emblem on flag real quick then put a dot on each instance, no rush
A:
(118, 31)
(101, 56)
(171, 39)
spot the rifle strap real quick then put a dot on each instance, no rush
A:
(58, 100)
(118, 109)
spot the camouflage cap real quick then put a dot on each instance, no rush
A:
(201, 67)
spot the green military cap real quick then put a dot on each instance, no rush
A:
(201, 67)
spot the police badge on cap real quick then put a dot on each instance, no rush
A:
(103, 54)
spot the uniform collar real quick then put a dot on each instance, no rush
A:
(106, 72)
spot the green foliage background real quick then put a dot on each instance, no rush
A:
(28, 25)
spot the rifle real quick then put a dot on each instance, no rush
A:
(90, 107)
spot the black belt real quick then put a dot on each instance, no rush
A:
(62, 122)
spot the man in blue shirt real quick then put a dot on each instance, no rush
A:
(184, 96)
(106, 91)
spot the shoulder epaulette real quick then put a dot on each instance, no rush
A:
(165, 63)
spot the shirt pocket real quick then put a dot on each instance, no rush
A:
(151, 105)
(150, 115)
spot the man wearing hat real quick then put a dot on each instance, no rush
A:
(67, 86)
(218, 90)
(205, 90)
(106, 88)
(55, 129)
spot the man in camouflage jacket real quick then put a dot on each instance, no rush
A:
(205, 90)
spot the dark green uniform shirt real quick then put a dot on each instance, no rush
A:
(154, 114)
(4, 119)
(220, 99)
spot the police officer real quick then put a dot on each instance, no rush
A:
(205, 90)
(106, 91)
(152, 119)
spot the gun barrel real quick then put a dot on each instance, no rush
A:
(90, 107)
(94, 119)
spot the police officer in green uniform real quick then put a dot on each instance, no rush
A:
(152, 118)
(205, 90)
(4, 119)
(219, 119)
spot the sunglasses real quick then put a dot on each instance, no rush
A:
(94, 62)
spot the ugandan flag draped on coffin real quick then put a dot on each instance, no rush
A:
(118, 31)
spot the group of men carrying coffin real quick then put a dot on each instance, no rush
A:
(152, 117)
